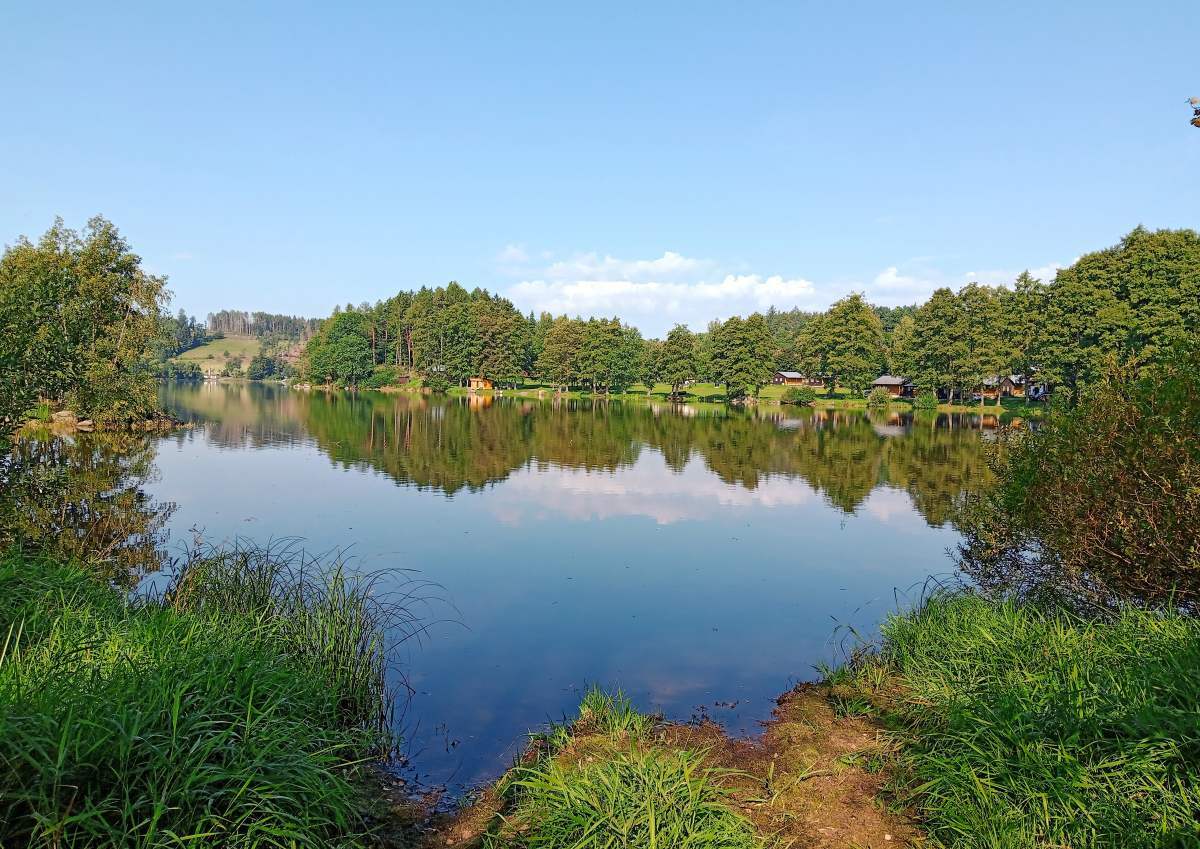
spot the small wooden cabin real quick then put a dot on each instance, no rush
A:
(1004, 385)
(476, 383)
(897, 387)
(795, 378)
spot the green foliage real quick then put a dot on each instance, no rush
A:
(384, 376)
(436, 383)
(802, 395)
(177, 334)
(84, 500)
(1028, 728)
(185, 370)
(623, 794)
(40, 412)
(879, 397)
(611, 713)
(939, 345)
(845, 344)
(1135, 301)
(78, 316)
(678, 357)
(341, 352)
(926, 401)
(741, 355)
(221, 714)
(1100, 503)
(631, 799)
(233, 368)
(263, 366)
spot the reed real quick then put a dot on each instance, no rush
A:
(236, 708)
(1023, 726)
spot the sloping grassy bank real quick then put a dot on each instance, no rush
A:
(228, 712)
(620, 779)
(1018, 727)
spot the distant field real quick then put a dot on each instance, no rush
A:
(212, 356)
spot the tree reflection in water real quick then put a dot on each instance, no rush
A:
(82, 498)
(448, 444)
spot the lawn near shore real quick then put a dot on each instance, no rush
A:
(213, 356)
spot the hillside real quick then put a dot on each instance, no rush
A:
(212, 356)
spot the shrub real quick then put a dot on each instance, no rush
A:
(436, 383)
(926, 401)
(1100, 503)
(383, 376)
(879, 397)
(802, 395)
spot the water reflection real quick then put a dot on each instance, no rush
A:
(455, 444)
(84, 497)
(692, 555)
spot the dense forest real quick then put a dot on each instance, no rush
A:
(1132, 302)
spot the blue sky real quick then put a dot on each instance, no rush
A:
(662, 162)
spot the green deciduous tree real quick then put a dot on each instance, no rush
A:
(1135, 300)
(940, 344)
(741, 355)
(678, 358)
(78, 318)
(341, 351)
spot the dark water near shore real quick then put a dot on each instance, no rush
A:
(701, 558)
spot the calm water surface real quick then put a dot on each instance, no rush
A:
(698, 557)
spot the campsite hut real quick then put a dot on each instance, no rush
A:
(795, 378)
(897, 387)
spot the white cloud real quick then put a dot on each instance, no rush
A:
(654, 294)
(669, 266)
(512, 255)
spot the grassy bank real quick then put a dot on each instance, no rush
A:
(230, 711)
(1018, 727)
(617, 778)
(214, 355)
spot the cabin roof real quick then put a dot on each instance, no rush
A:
(790, 374)
(890, 380)
(1015, 379)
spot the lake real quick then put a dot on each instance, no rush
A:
(702, 558)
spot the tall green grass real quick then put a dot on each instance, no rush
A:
(230, 711)
(602, 782)
(1027, 728)
(636, 798)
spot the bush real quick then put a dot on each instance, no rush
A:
(879, 397)
(228, 712)
(383, 376)
(436, 383)
(1099, 504)
(926, 401)
(1026, 727)
(262, 366)
(181, 370)
(802, 395)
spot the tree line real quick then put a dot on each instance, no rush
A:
(243, 323)
(1131, 302)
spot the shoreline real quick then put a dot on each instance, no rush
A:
(809, 777)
